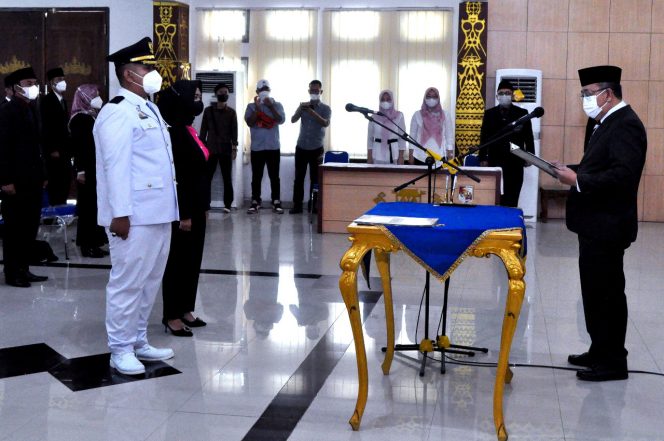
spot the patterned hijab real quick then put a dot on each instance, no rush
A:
(84, 94)
(432, 118)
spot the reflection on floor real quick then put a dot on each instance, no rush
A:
(276, 360)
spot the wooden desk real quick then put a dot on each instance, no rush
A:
(548, 192)
(504, 244)
(348, 190)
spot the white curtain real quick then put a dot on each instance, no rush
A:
(367, 51)
(282, 49)
(219, 39)
(362, 52)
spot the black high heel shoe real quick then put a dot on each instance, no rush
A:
(197, 323)
(184, 332)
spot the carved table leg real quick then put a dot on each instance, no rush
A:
(383, 262)
(348, 288)
(515, 270)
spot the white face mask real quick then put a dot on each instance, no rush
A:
(60, 86)
(151, 81)
(385, 105)
(96, 102)
(314, 96)
(590, 106)
(504, 100)
(31, 92)
(264, 94)
(431, 102)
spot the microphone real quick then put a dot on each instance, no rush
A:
(536, 113)
(353, 108)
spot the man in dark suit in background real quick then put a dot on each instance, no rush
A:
(55, 117)
(498, 154)
(602, 211)
(21, 177)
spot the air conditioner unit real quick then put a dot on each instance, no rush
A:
(529, 81)
(235, 82)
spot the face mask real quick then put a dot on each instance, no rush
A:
(504, 100)
(222, 98)
(31, 92)
(431, 102)
(385, 105)
(60, 86)
(96, 103)
(151, 81)
(314, 96)
(590, 106)
(198, 107)
(264, 94)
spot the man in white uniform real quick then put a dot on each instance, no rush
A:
(137, 202)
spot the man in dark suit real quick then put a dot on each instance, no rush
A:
(55, 117)
(602, 211)
(498, 154)
(21, 177)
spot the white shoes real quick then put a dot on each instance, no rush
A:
(150, 353)
(127, 363)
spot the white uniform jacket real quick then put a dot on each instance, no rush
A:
(135, 170)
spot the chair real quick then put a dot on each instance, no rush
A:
(60, 215)
(338, 156)
(471, 161)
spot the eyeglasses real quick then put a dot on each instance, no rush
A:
(504, 94)
(197, 97)
(587, 93)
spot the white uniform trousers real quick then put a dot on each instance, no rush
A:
(138, 265)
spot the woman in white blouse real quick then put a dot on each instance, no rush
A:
(431, 126)
(384, 147)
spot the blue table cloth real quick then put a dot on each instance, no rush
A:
(443, 247)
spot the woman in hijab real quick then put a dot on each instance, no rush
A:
(179, 104)
(431, 126)
(383, 146)
(89, 236)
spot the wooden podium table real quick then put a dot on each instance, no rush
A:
(505, 244)
(348, 190)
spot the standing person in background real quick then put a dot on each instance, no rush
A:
(137, 203)
(219, 133)
(315, 118)
(89, 236)
(22, 177)
(383, 146)
(263, 117)
(431, 126)
(56, 141)
(180, 104)
(499, 155)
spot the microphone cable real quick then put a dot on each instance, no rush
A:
(455, 361)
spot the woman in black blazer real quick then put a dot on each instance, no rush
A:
(179, 104)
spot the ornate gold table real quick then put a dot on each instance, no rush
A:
(504, 244)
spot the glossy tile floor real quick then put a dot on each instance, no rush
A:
(276, 360)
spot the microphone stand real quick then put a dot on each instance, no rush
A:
(441, 344)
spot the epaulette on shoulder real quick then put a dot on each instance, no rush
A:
(117, 100)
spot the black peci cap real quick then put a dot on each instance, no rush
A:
(25, 73)
(140, 52)
(504, 84)
(54, 73)
(599, 74)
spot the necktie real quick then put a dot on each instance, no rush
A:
(151, 107)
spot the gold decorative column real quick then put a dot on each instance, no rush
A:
(171, 41)
(471, 73)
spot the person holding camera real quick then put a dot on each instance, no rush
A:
(315, 118)
(263, 117)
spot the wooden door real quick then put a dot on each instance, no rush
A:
(74, 39)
